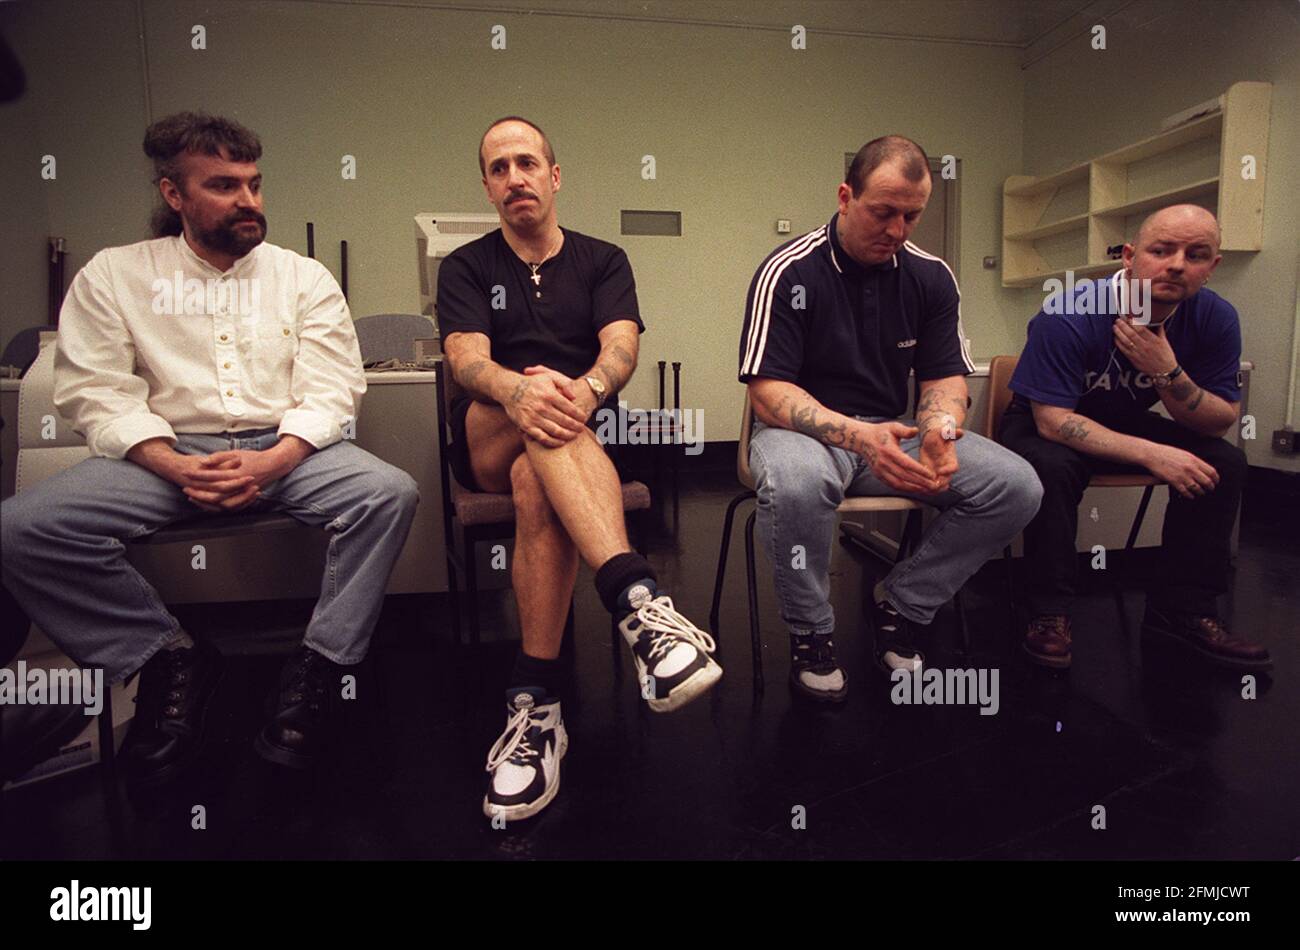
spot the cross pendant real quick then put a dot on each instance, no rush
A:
(537, 279)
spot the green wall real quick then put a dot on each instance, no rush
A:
(1164, 56)
(744, 130)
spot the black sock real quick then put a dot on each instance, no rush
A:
(531, 671)
(620, 573)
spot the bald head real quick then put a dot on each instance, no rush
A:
(1175, 249)
(1186, 222)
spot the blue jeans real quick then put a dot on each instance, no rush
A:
(800, 483)
(64, 558)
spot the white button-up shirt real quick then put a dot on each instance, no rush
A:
(154, 340)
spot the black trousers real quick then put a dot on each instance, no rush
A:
(1194, 558)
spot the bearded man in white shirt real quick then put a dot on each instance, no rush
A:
(210, 372)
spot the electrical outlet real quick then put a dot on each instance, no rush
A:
(1284, 441)
(782, 225)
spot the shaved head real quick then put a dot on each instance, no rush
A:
(1175, 249)
(1181, 219)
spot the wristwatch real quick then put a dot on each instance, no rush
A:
(1162, 380)
(597, 387)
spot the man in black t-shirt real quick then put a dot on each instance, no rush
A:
(835, 321)
(540, 325)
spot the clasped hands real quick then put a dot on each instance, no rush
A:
(930, 474)
(549, 407)
(224, 481)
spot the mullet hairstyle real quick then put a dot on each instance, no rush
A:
(167, 140)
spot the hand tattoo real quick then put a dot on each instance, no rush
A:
(518, 394)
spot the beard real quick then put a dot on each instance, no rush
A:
(229, 238)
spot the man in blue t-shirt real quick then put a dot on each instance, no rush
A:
(1097, 359)
(835, 322)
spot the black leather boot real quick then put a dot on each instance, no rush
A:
(304, 721)
(171, 706)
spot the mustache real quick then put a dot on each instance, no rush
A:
(516, 195)
(248, 216)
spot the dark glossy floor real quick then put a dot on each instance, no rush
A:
(1185, 767)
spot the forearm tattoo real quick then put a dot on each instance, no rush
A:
(937, 409)
(616, 376)
(804, 419)
(1195, 400)
(1182, 388)
(1072, 428)
(470, 374)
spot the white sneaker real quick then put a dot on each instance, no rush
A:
(525, 762)
(671, 653)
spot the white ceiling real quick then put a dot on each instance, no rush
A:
(1010, 22)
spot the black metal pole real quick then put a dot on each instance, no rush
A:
(677, 397)
(343, 271)
(51, 293)
(311, 240)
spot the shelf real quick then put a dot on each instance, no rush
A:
(1220, 142)
(1073, 223)
(1203, 128)
(1171, 197)
(1080, 270)
(1038, 186)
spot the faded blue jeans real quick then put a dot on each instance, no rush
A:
(64, 558)
(800, 483)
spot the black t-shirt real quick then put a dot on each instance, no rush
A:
(847, 334)
(483, 287)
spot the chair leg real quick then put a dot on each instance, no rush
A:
(453, 588)
(1136, 529)
(1133, 533)
(751, 575)
(1009, 561)
(471, 589)
(107, 749)
(962, 626)
(723, 548)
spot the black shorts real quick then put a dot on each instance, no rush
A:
(459, 448)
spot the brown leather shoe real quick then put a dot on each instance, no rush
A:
(1209, 637)
(1047, 641)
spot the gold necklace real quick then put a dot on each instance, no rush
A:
(537, 278)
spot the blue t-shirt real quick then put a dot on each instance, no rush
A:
(1070, 359)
